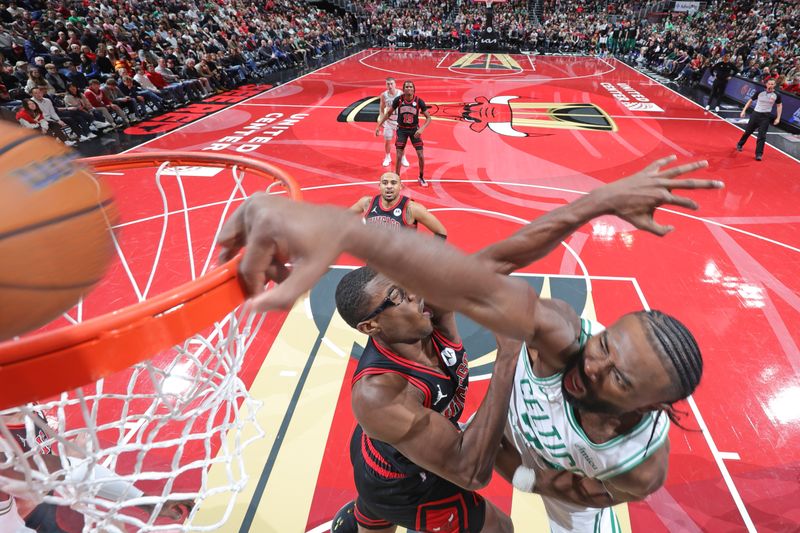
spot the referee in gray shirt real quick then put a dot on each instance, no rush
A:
(761, 116)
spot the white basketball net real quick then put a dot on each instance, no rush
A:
(167, 430)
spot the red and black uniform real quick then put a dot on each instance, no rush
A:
(408, 112)
(395, 215)
(45, 517)
(392, 489)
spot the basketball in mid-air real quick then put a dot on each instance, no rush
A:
(55, 229)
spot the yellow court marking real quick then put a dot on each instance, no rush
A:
(509, 61)
(287, 497)
(527, 512)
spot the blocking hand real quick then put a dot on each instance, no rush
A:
(274, 231)
(635, 198)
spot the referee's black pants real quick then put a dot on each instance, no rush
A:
(758, 121)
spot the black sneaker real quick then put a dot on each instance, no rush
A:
(739, 147)
(422, 181)
(344, 521)
(758, 158)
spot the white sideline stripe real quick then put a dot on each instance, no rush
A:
(698, 105)
(718, 457)
(439, 64)
(730, 456)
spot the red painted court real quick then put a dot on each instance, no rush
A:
(513, 137)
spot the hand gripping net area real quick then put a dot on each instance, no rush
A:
(156, 446)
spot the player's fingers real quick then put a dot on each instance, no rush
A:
(682, 201)
(302, 277)
(231, 236)
(691, 184)
(683, 169)
(658, 163)
(278, 271)
(647, 223)
(258, 256)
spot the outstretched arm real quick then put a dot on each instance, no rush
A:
(276, 230)
(634, 199)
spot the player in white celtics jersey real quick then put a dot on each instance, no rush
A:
(390, 126)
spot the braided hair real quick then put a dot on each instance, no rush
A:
(681, 356)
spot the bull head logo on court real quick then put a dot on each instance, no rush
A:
(510, 116)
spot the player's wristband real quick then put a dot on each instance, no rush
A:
(110, 485)
(441, 236)
(524, 479)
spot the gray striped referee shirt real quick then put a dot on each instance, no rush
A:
(765, 100)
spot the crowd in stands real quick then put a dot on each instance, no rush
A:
(762, 37)
(78, 68)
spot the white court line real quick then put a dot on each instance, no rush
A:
(700, 106)
(322, 528)
(533, 65)
(730, 456)
(718, 458)
(439, 64)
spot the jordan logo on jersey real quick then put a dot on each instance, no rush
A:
(439, 394)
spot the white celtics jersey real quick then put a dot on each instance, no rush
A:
(388, 98)
(543, 427)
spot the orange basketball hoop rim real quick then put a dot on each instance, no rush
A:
(43, 365)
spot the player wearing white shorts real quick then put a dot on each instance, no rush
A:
(390, 126)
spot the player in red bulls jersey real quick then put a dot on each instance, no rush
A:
(408, 106)
(411, 464)
(392, 208)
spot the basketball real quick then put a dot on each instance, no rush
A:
(55, 240)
